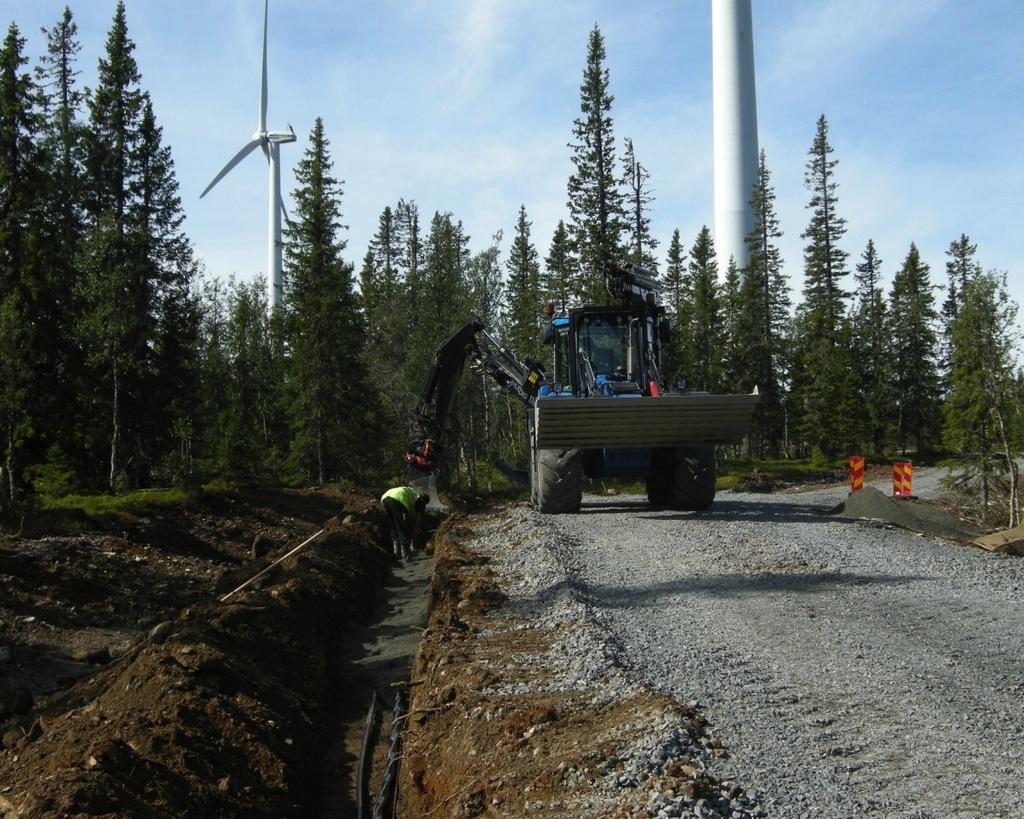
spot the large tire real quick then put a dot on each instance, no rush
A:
(557, 481)
(683, 478)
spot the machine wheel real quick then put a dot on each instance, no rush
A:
(683, 478)
(557, 484)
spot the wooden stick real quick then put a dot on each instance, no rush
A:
(263, 573)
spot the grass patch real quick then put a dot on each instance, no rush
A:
(738, 471)
(127, 504)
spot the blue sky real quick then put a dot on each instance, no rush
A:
(467, 105)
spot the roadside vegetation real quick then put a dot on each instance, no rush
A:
(126, 366)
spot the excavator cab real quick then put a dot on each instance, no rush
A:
(603, 351)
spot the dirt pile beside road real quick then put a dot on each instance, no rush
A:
(219, 709)
(907, 513)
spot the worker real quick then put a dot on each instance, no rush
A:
(405, 508)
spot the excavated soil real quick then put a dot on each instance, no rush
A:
(474, 747)
(127, 689)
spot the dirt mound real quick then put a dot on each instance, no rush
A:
(217, 710)
(908, 513)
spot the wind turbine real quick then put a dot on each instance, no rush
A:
(270, 142)
(735, 126)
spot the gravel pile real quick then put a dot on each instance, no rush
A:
(916, 515)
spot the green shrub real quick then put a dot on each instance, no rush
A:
(55, 478)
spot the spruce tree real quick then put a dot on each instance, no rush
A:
(22, 275)
(640, 244)
(443, 301)
(61, 138)
(914, 349)
(732, 329)
(409, 240)
(871, 334)
(761, 330)
(410, 264)
(824, 260)
(21, 185)
(677, 289)
(524, 300)
(556, 281)
(821, 381)
(115, 289)
(960, 269)
(381, 282)
(251, 446)
(595, 199)
(981, 405)
(705, 315)
(115, 107)
(213, 375)
(331, 397)
(441, 295)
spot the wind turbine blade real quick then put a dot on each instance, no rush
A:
(263, 79)
(266, 151)
(242, 154)
(284, 210)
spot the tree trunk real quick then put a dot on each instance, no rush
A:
(321, 472)
(487, 428)
(512, 430)
(984, 469)
(7, 490)
(115, 437)
(1013, 470)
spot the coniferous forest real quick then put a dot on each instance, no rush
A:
(124, 364)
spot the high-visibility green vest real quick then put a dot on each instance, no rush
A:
(405, 495)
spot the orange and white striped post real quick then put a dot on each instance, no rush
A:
(902, 472)
(856, 473)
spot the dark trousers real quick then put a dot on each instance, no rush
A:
(400, 524)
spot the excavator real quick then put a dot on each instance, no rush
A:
(602, 409)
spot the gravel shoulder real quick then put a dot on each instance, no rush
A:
(761, 658)
(847, 667)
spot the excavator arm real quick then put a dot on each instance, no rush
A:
(437, 425)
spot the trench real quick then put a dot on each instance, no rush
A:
(373, 656)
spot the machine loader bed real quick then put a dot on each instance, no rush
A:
(663, 421)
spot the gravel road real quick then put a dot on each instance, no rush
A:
(847, 668)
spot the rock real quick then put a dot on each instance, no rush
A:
(160, 632)
(14, 702)
(261, 544)
(96, 656)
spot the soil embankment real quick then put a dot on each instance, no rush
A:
(184, 705)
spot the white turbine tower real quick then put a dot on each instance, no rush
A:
(735, 124)
(270, 142)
